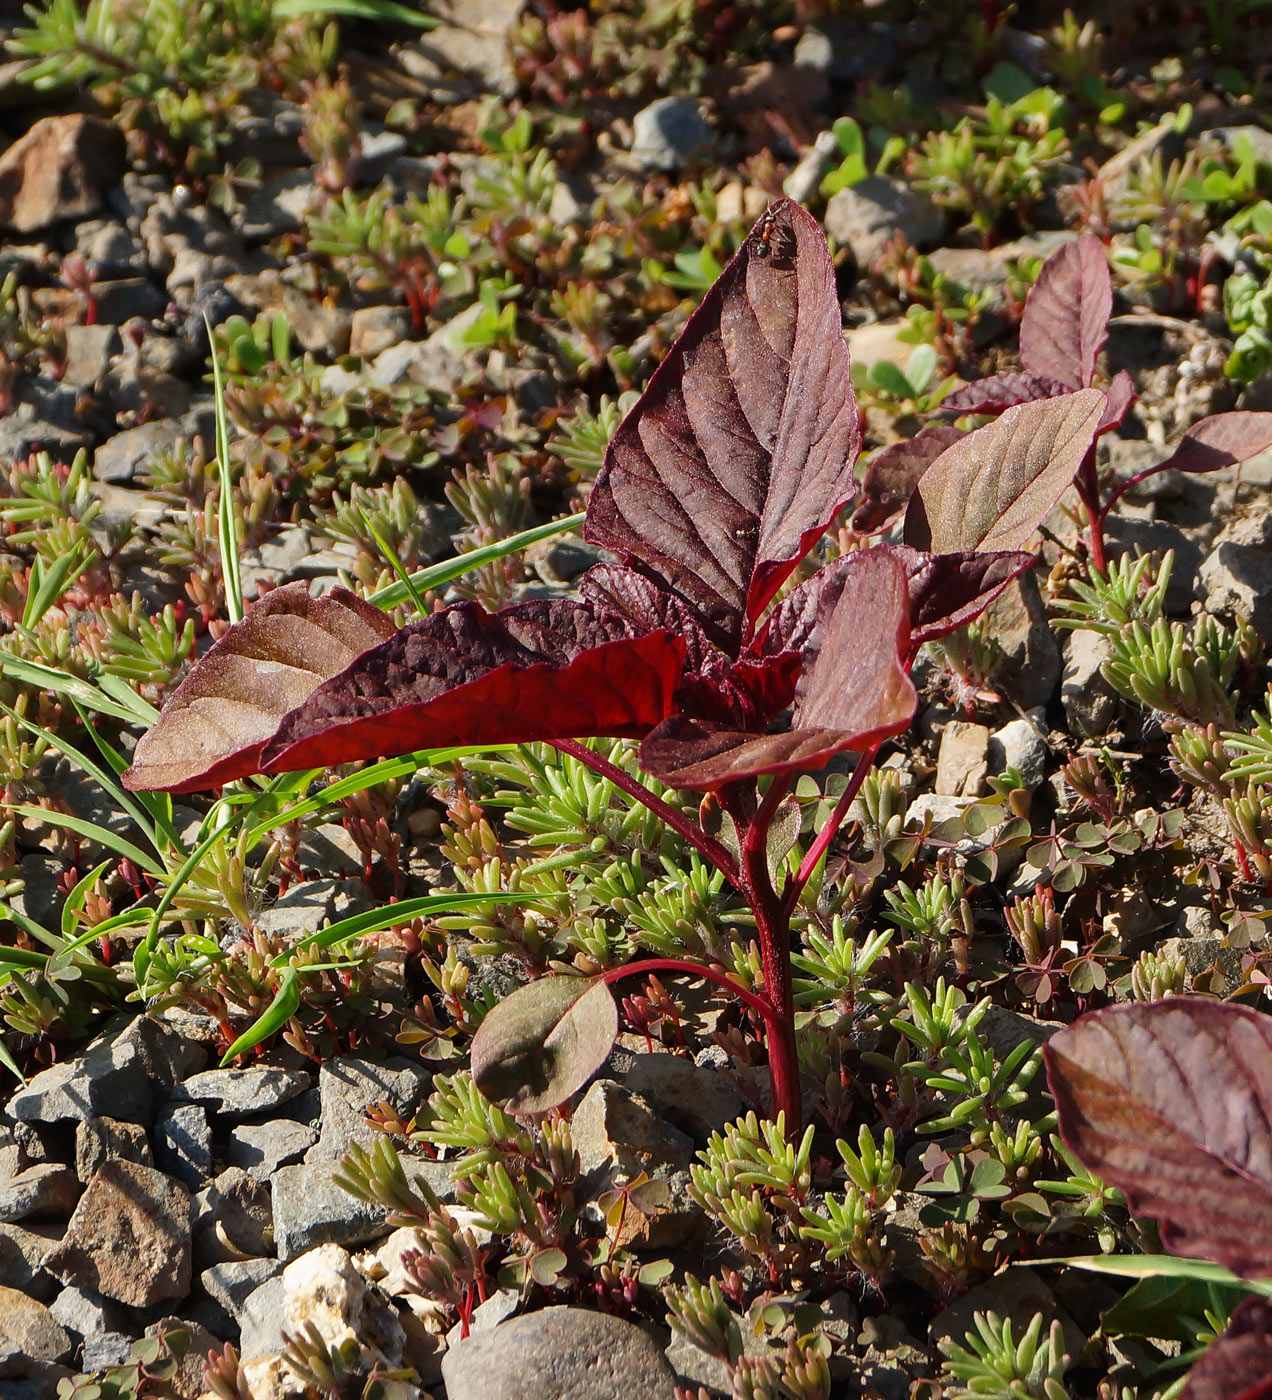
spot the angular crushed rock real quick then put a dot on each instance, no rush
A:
(243, 1091)
(43, 1192)
(232, 1218)
(129, 1237)
(261, 1148)
(119, 1075)
(232, 1283)
(99, 1140)
(183, 1143)
(60, 169)
(347, 1086)
(559, 1354)
(310, 1209)
(28, 1333)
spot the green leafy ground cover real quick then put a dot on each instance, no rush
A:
(934, 953)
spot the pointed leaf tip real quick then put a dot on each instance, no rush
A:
(992, 488)
(543, 1043)
(217, 721)
(741, 449)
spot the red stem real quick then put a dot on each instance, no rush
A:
(1087, 482)
(795, 885)
(692, 969)
(707, 847)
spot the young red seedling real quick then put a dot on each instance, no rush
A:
(1062, 332)
(735, 461)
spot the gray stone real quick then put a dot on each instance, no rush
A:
(232, 1283)
(242, 1092)
(346, 1086)
(128, 299)
(310, 1209)
(97, 1140)
(1238, 580)
(376, 328)
(261, 1148)
(1016, 1295)
(115, 1075)
(935, 809)
(468, 53)
(233, 1218)
(105, 1350)
(667, 133)
(867, 216)
(306, 907)
(1126, 535)
(87, 1314)
(804, 181)
(29, 1333)
(499, 1307)
(22, 433)
(89, 350)
(109, 248)
(1029, 668)
(1089, 701)
(696, 1099)
(183, 1143)
(280, 206)
(46, 1191)
(129, 1237)
(559, 1354)
(119, 458)
(261, 1318)
(561, 561)
(962, 760)
(22, 1256)
(42, 896)
(695, 1367)
(1021, 744)
(614, 1130)
(439, 363)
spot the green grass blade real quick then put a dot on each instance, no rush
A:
(355, 9)
(152, 811)
(281, 1009)
(403, 913)
(396, 565)
(24, 958)
(100, 834)
(227, 530)
(381, 772)
(119, 689)
(94, 770)
(52, 580)
(70, 687)
(1160, 1266)
(75, 900)
(11, 1064)
(449, 569)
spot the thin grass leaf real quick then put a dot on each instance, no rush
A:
(396, 565)
(382, 772)
(75, 900)
(1158, 1266)
(282, 1008)
(227, 528)
(70, 687)
(25, 958)
(402, 913)
(355, 9)
(94, 770)
(11, 1065)
(155, 814)
(130, 918)
(29, 926)
(119, 689)
(449, 569)
(94, 832)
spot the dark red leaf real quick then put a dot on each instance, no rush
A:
(992, 488)
(1121, 396)
(947, 591)
(1222, 440)
(1003, 391)
(741, 449)
(854, 690)
(1170, 1102)
(1066, 314)
(1238, 1364)
(217, 721)
(538, 1046)
(891, 478)
(747, 693)
(542, 670)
